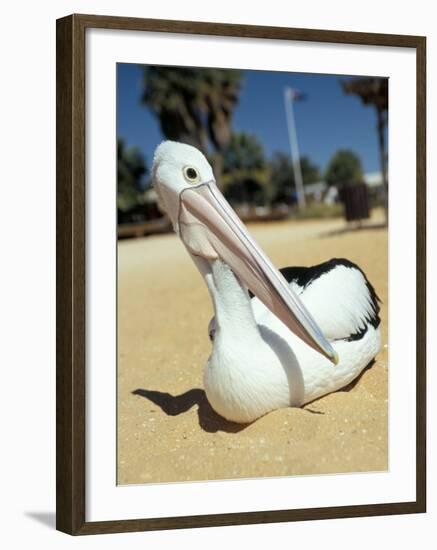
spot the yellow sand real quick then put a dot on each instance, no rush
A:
(166, 429)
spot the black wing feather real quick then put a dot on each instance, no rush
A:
(305, 276)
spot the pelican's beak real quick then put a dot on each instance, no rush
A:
(211, 229)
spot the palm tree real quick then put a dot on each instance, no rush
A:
(374, 91)
(194, 106)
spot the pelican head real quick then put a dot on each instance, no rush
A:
(211, 230)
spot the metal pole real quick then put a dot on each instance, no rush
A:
(294, 147)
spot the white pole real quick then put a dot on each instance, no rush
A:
(294, 147)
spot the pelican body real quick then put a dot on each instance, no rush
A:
(280, 338)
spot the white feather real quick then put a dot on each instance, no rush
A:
(339, 300)
(253, 372)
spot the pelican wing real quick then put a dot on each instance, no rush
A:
(339, 296)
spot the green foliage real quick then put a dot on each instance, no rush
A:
(310, 171)
(244, 155)
(344, 168)
(282, 176)
(194, 106)
(131, 168)
(245, 170)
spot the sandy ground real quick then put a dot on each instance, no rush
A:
(166, 429)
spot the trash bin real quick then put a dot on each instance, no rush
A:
(355, 198)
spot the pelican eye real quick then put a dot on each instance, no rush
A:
(191, 174)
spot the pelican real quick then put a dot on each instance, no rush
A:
(268, 350)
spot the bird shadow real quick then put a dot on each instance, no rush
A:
(313, 411)
(356, 380)
(174, 405)
(352, 229)
(45, 518)
(209, 420)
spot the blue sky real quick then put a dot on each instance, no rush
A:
(327, 120)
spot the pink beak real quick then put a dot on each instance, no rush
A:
(211, 229)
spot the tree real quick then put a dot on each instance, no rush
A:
(282, 176)
(374, 91)
(310, 171)
(194, 106)
(131, 169)
(244, 154)
(344, 168)
(245, 170)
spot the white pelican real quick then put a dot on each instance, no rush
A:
(268, 351)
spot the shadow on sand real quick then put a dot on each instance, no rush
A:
(352, 229)
(356, 380)
(209, 420)
(173, 405)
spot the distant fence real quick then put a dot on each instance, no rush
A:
(163, 224)
(141, 229)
